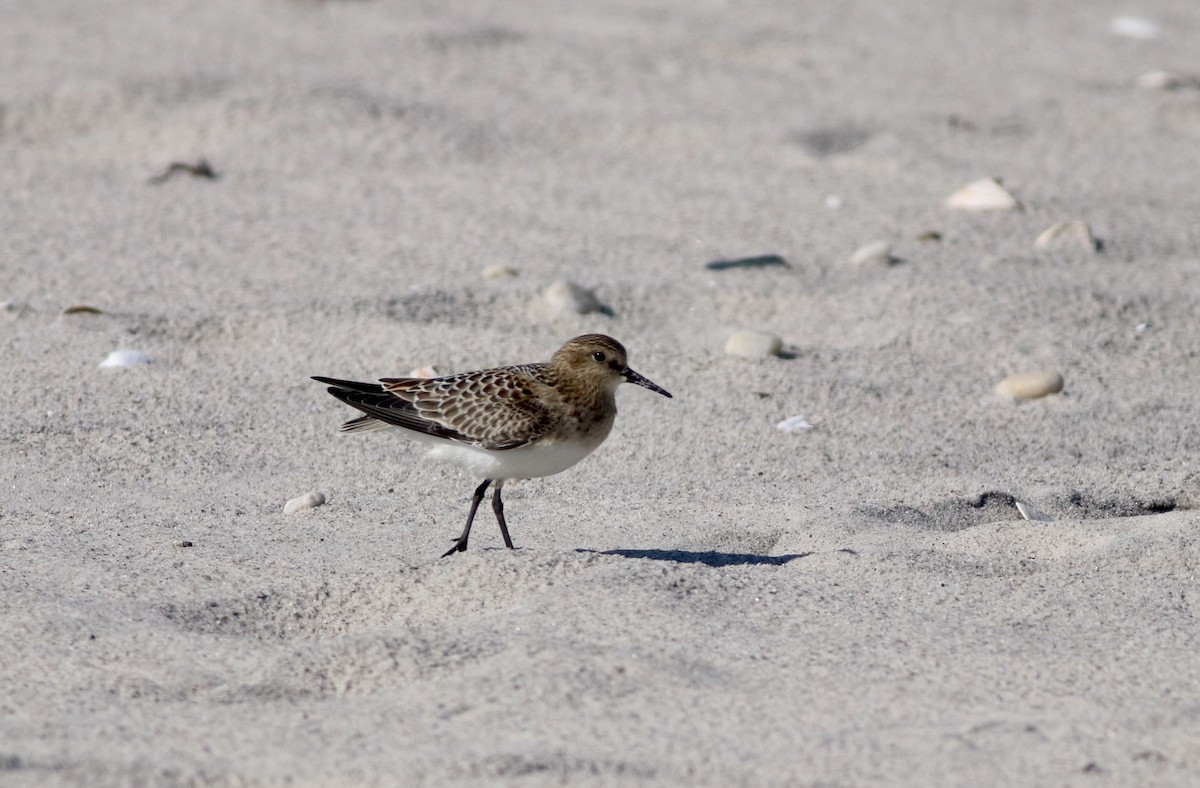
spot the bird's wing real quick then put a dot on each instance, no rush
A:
(493, 409)
(383, 409)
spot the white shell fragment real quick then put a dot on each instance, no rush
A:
(985, 194)
(874, 253)
(1134, 27)
(1031, 512)
(124, 358)
(310, 501)
(1072, 236)
(1160, 80)
(794, 424)
(567, 297)
(1030, 385)
(499, 272)
(749, 343)
(423, 372)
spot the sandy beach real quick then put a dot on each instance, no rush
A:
(246, 193)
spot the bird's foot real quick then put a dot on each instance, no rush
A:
(460, 546)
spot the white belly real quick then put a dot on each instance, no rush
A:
(526, 462)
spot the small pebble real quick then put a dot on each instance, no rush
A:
(1031, 512)
(794, 424)
(1134, 27)
(749, 343)
(309, 501)
(184, 543)
(1030, 385)
(1072, 236)
(125, 358)
(985, 194)
(499, 272)
(568, 298)
(874, 253)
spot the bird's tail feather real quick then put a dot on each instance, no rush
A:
(365, 424)
(351, 385)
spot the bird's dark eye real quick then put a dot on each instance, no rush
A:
(599, 356)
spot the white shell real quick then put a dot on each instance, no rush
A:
(308, 501)
(985, 194)
(874, 253)
(423, 372)
(1134, 27)
(499, 272)
(567, 297)
(1030, 385)
(1160, 80)
(1074, 236)
(794, 424)
(125, 358)
(1031, 512)
(749, 343)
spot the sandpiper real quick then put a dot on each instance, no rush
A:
(519, 422)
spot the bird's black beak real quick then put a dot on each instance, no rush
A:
(633, 377)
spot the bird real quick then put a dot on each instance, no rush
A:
(516, 422)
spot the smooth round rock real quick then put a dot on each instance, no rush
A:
(499, 272)
(310, 501)
(874, 253)
(1030, 385)
(569, 298)
(985, 194)
(749, 343)
(124, 358)
(1072, 236)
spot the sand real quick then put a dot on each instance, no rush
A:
(706, 600)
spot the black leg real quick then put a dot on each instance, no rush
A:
(498, 508)
(460, 544)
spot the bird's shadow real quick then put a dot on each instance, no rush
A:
(708, 557)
